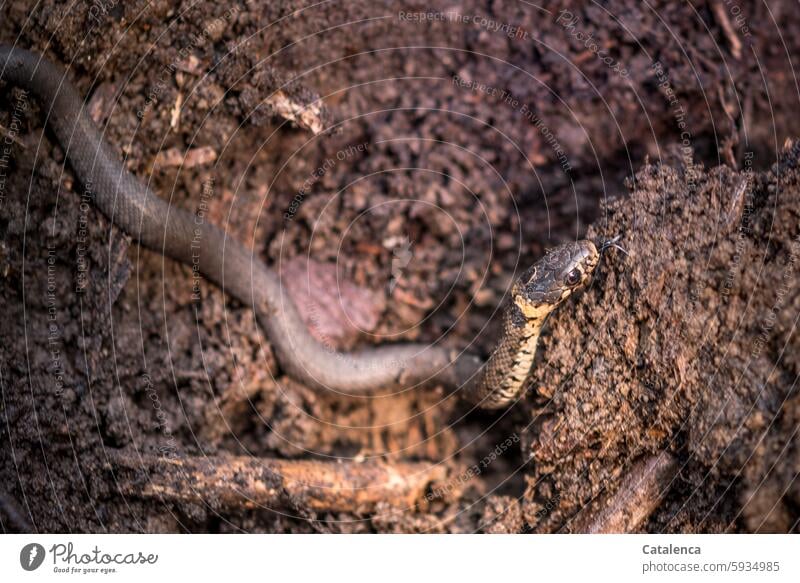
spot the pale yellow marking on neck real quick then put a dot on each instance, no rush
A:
(535, 313)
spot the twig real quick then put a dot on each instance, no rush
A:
(733, 214)
(639, 494)
(246, 482)
(722, 19)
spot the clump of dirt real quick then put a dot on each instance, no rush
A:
(442, 169)
(690, 348)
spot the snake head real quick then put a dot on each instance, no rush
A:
(552, 279)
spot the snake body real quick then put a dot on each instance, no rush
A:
(173, 232)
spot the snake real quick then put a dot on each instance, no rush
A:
(493, 383)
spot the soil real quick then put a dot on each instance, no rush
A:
(447, 155)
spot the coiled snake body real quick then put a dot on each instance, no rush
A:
(168, 230)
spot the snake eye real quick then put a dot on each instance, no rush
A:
(574, 277)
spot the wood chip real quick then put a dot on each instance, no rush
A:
(191, 65)
(308, 117)
(175, 116)
(102, 102)
(173, 157)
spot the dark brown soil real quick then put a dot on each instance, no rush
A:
(454, 153)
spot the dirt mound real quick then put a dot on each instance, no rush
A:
(686, 344)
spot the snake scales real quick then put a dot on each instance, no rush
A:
(140, 213)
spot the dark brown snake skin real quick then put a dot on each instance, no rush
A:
(168, 230)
